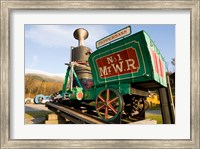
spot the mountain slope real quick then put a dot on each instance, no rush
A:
(40, 83)
(45, 78)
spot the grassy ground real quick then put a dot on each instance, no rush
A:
(154, 117)
(36, 114)
(154, 107)
(157, 117)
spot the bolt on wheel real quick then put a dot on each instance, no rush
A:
(134, 105)
(138, 106)
(109, 104)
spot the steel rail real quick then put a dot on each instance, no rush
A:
(79, 117)
(72, 113)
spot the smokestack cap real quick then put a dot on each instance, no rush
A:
(81, 34)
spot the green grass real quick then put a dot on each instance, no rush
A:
(154, 117)
(157, 107)
(36, 114)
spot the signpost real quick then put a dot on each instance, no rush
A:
(119, 34)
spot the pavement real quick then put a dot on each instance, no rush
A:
(39, 120)
(32, 108)
(153, 112)
(35, 107)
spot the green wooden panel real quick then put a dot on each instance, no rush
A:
(129, 60)
(91, 94)
(157, 61)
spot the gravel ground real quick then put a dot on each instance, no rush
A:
(35, 120)
(32, 108)
(35, 107)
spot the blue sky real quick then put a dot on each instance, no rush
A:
(47, 47)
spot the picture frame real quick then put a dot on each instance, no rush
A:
(8, 6)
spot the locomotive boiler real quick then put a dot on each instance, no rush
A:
(80, 55)
(117, 76)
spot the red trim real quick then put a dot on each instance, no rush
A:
(158, 64)
(161, 68)
(155, 61)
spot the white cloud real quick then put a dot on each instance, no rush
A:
(34, 71)
(47, 35)
(34, 62)
(95, 33)
(62, 35)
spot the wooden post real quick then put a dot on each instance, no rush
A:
(166, 103)
(55, 119)
(170, 98)
(166, 117)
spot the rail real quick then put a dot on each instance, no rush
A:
(78, 117)
(73, 115)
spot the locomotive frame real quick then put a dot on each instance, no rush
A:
(105, 96)
(122, 73)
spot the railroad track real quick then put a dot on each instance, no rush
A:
(74, 115)
(82, 117)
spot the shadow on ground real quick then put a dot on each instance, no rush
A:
(36, 117)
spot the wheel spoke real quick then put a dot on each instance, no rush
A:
(101, 107)
(111, 107)
(101, 98)
(113, 100)
(106, 113)
(107, 95)
(109, 104)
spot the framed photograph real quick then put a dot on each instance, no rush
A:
(32, 21)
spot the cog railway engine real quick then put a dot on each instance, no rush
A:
(116, 77)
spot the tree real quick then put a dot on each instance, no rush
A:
(173, 61)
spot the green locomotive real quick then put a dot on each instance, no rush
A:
(117, 76)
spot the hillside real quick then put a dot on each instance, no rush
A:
(38, 83)
(45, 78)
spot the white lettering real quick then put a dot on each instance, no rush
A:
(103, 71)
(110, 60)
(109, 70)
(130, 63)
(117, 67)
(119, 58)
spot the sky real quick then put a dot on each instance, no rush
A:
(47, 47)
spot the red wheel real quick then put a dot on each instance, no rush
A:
(109, 104)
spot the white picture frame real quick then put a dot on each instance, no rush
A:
(6, 85)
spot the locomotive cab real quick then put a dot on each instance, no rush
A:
(131, 66)
(117, 76)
